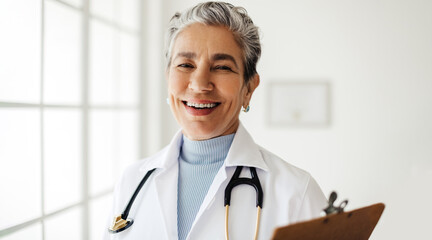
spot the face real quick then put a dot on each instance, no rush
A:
(206, 87)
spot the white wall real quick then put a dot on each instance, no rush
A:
(377, 56)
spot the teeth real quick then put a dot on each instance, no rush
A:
(201, 105)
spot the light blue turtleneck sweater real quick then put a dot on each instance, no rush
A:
(199, 161)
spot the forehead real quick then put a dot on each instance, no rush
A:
(206, 40)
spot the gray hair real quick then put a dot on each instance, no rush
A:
(234, 18)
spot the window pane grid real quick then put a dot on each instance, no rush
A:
(42, 218)
(67, 4)
(115, 25)
(126, 113)
(31, 105)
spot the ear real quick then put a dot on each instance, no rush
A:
(251, 86)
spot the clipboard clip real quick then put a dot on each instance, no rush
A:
(331, 209)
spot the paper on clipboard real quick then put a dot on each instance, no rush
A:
(353, 225)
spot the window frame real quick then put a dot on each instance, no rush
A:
(85, 109)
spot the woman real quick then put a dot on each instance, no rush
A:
(212, 52)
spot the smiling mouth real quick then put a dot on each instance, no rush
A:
(201, 105)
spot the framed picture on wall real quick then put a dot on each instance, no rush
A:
(298, 103)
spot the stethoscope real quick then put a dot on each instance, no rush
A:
(122, 222)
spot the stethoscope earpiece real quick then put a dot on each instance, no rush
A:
(120, 224)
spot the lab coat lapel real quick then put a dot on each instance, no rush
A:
(167, 199)
(218, 181)
(166, 186)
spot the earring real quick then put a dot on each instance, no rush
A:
(167, 101)
(246, 109)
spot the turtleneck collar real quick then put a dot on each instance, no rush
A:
(206, 151)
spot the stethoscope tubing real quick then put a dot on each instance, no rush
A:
(237, 180)
(122, 222)
(125, 213)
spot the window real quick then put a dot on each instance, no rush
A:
(69, 113)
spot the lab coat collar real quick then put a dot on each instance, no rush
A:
(166, 157)
(244, 151)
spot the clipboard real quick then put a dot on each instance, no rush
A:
(353, 225)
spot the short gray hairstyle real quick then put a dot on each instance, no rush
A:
(224, 14)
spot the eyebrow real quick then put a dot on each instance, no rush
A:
(188, 55)
(215, 57)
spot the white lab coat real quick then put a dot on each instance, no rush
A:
(290, 195)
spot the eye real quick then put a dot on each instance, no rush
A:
(224, 68)
(185, 65)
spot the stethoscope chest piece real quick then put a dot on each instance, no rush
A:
(120, 224)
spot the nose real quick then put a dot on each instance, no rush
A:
(200, 80)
